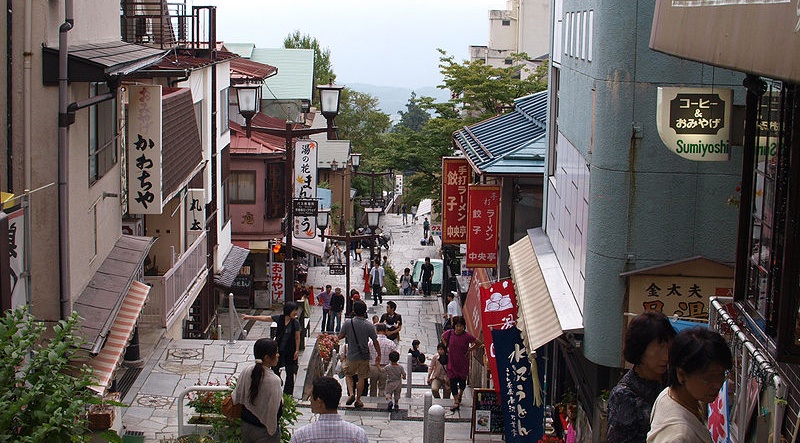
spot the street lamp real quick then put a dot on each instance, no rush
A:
(249, 98)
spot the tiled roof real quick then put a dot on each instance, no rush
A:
(511, 143)
(230, 266)
(257, 144)
(97, 61)
(243, 68)
(295, 78)
(188, 60)
(182, 149)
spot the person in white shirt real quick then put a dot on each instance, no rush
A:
(376, 275)
(377, 379)
(453, 310)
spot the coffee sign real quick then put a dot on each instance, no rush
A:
(694, 123)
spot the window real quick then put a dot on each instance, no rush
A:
(242, 187)
(223, 107)
(506, 22)
(508, 61)
(555, 80)
(102, 134)
(769, 283)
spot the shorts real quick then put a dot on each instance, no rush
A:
(457, 385)
(357, 367)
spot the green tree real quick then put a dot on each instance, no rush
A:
(43, 385)
(323, 70)
(414, 117)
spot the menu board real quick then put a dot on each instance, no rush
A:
(487, 415)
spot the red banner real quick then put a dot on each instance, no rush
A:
(483, 218)
(498, 311)
(472, 304)
(455, 178)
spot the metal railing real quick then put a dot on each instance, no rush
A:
(167, 24)
(183, 429)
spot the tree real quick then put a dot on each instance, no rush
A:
(323, 70)
(414, 118)
(43, 386)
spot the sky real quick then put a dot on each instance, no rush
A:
(378, 42)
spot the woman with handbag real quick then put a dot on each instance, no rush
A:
(259, 392)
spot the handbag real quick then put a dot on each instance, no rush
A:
(229, 410)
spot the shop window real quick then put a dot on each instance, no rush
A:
(102, 134)
(242, 187)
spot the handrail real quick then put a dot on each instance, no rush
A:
(187, 391)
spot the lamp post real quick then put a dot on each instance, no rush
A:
(375, 204)
(249, 98)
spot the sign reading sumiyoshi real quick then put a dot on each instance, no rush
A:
(694, 123)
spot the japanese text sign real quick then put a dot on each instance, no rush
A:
(694, 123)
(455, 179)
(305, 185)
(483, 218)
(520, 388)
(195, 211)
(472, 304)
(277, 282)
(16, 251)
(144, 149)
(682, 296)
(498, 311)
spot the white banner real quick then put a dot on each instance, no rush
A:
(195, 211)
(16, 240)
(144, 149)
(305, 185)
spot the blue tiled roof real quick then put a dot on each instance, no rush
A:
(511, 143)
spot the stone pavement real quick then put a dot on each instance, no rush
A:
(177, 364)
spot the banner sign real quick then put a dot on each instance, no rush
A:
(305, 185)
(499, 311)
(144, 149)
(16, 250)
(719, 425)
(195, 211)
(676, 295)
(483, 209)
(278, 283)
(520, 389)
(472, 304)
(695, 123)
(455, 178)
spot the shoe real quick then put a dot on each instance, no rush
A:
(350, 400)
(375, 304)
(358, 405)
(455, 408)
(389, 408)
(397, 407)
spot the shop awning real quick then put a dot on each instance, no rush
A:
(95, 62)
(313, 246)
(106, 362)
(547, 307)
(231, 265)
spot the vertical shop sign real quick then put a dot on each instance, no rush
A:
(144, 149)
(16, 251)
(498, 311)
(455, 178)
(195, 211)
(472, 304)
(520, 389)
(277, 282)
(483, 217)
(305, 185)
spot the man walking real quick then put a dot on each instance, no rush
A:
(325, 395)
(376, 275)
(377, 379)
(427, 277)
(324, 299)
(426, 227)
(405, 214)
(358, 331)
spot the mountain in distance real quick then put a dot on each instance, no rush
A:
(393, 99)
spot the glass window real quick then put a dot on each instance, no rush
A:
(102, 134)
(242, 187)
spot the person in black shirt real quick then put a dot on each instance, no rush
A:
(393, 321)
(337, 306)
(426, 276)
(288, 337)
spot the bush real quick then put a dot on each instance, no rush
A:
(390, 281)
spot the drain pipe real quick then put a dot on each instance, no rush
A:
(27, 55)
(63, 145)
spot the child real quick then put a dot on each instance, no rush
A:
(395, 374)
(418, 362)
(437, 375)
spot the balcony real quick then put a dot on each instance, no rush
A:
(173, 293)
(166, 25)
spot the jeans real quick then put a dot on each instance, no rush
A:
(377, 294)
(426, 287)
(407, 290)
(325, 318)
(334, 318)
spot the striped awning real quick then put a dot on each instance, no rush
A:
(106, 362)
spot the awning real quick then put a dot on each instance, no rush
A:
(314, 246)
(106, 362)
(231, 265)
(98, 304)
(96, 62)
(424, 208)
(547, 307)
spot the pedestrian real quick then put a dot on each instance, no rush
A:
(377, 379)
(459, 343)
(367, 283)
(405, 214)
(426, 277)
(430, 241)
(405, 281)
(337, 306)
(647, 342)
(437, 374)
(453, 310)
(325, 395)
(287, 335)
(385, 262)
(376, 275)
(357, 332)
(324, 300)
(699, 361)
(395, 374)
(393, 321)
(426, 226)
(417, 358)
(259, 392)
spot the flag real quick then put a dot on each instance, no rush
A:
(498, 311)
(718, 417)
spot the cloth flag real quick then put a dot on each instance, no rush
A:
(498, 311)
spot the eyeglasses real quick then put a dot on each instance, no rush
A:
(718, 381)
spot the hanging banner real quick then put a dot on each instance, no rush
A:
(719, 417)
(195, 211)
(16, 250)
(498, 311)
(278, 282)
(455, 178)
(144, 149)
(520, 392)
(472, 304)
(694, 123)
(483, 209)
(305, 186)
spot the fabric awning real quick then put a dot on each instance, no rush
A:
(547, 307)
(106, 362)
(231, 265)
(314, 246)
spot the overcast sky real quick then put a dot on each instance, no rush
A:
(380, 42)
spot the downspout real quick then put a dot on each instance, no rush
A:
(27, 55)
(63, 146)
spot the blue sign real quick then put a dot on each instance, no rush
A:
(524, 420)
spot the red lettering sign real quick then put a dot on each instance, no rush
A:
(455, 178)
(483, 217)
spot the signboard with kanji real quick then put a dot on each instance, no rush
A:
(694, 123)
(195, 211)
(305, 207)
(144, 149)
(483, 217)
(676, 295)
(305, 186)
(455, 178)
(278, 282)
(337, 269)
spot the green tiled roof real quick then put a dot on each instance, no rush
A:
(295, 77)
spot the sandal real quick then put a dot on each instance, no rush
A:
(358, 405)
(350, 400)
